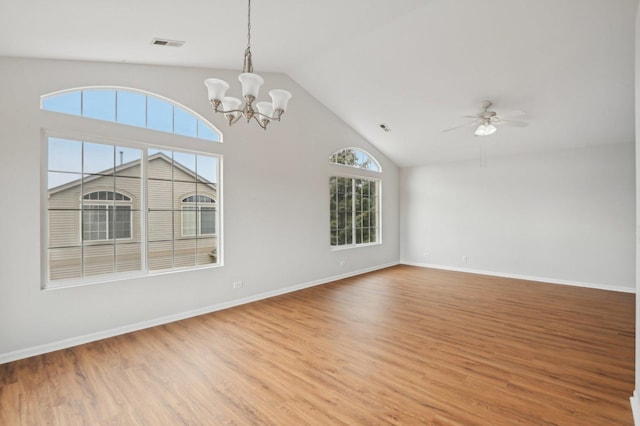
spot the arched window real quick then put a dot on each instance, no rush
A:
(198, 215)
(133, 108)
(355, 157)
(354, 200)
(106, 215)
(114, 204)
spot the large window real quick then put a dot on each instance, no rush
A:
(354, 201)
(97, 231)
(116, 209)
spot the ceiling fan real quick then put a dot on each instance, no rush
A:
(486, 120)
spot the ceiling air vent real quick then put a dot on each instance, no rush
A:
(165, 42)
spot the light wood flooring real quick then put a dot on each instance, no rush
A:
(404, 345)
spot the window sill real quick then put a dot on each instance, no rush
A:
(103, 279)
(352, 246)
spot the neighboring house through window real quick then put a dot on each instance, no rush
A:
(354, 200)
(106, 215)
(198, 215)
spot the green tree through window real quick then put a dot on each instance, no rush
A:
(354, 200)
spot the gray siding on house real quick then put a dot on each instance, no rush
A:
(168, 185)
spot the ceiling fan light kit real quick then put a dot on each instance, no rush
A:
(486, 120)
(233, 109)
(485, 130)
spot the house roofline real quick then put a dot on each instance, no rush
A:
(121, 167)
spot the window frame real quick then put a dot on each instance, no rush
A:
(66, 126)
(378, 184)
(353, 172)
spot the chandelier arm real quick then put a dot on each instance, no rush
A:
(263, 126)
(237, 117)
(230, 111)
(276, 118)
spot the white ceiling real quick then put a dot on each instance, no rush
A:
(416, 65)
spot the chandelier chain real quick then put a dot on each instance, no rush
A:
(249, 26)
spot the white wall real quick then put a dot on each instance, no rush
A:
(275, 207)
(565, 216)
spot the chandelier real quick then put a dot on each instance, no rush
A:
(263, 112)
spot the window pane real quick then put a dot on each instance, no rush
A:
(207, 168)
(355, 158)
(160, 225)
(189, 221)
(132, 108)
(185, 252)
(65, 155)
(94, 223)
(99, 259)
(160, 164)
(63, 227)
(121, 222)
(68, 103)
(207, 252)
(160, 195)
(184, 123)
(207, 221)
(100, 104)
(128, 161)
(128, 256)
(206, 132)
(186, 166)
(98, 158)
(65, 263)
(56, 180)
(160, 255)
(159, 115)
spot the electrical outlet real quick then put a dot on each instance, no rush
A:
(465, 259)
(237, 284)
(425, 254)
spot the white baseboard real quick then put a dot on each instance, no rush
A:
(92, 337)
(524, 277)
(635, 408)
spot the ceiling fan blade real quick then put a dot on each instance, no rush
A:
(513, 114)
(514, 123)
(458, 127)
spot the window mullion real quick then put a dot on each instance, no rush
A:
(144, 212)
(112, 215)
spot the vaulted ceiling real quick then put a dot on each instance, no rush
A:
(416, 65)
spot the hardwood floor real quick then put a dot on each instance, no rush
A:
(403, 345)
